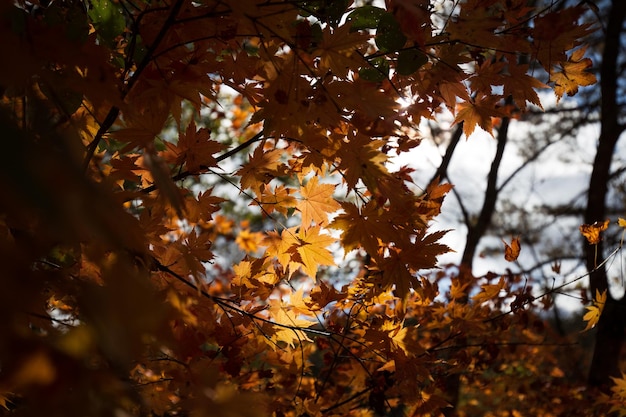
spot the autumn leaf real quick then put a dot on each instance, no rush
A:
(279, 199)
(144, 281)
(317, 203)
(617, 401)
(262, 167)
(595, 311)
(568, 76)
(478, 111)
(183, 306)
(489, 291)
(195, 149)
(248, 241)
(592, 232)
(312, 248)
(521, 87)
(338, 49)
(458, 289)
(362, 227)
(511, 252)
(289, 332)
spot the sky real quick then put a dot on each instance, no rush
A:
(559, 177)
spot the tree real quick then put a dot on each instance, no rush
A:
(114, 300)
(602, 199)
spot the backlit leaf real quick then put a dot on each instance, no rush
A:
(595, 311)
(592, 232)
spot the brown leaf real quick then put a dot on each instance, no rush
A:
(512, 252)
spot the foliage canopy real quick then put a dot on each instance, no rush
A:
(115, 112)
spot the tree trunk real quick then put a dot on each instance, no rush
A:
(610, 329)
(475, 232)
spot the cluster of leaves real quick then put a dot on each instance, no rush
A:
(112, 303)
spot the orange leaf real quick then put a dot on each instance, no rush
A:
(261, 168)
(521, 87)
(592, 232)
(478, 112)
(511, 252)
(572, 74)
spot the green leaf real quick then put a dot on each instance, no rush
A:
(335, 11)
(410, 60)
(366, 17)
(329, 11)
(389, 36)
(378, 71)
(108, 19)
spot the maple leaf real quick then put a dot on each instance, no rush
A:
(489, 291)
(521, 87)
(183, 306)
(511, 252)
(248, 241)
(458, 289)
(262, 167)
(592, 231)
(201, 209)
(279, 199)
(407, 339)
(595, 311)
(478, 111)
(571, 74)
(322, 295)
(338, 49)
(195, 149)
(312, 250)
(362, 159)
(395, 273)
(363, 227)
(557, 32)
(278, 245)
(618, 397)
(289, 332)
(317, 203)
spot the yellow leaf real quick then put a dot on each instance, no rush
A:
(248, 241)
(489, 291)
(312, 250)
(458, 289)
(407, 339)
(595, 311)
(317, 202)
(621, 222)
(289, 331)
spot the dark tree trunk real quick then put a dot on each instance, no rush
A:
(475, 231)
(610, 329)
